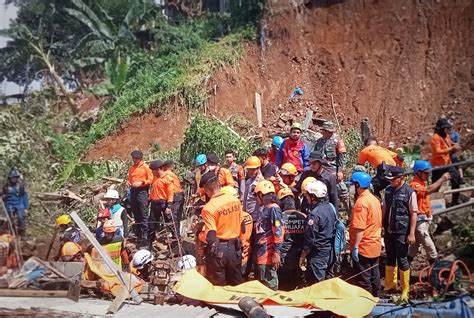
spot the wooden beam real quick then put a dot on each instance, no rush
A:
(114, 180)
(33, 293)
(258, 109)
(455, 208)
(308, 119)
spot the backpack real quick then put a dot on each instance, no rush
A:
(340, 242)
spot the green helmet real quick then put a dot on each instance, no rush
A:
(296, 125)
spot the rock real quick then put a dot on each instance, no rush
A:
(280, 124)
(378, 73)
(444, 240)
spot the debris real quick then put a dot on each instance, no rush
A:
(114, 180)
(258, 109)
(59, 195)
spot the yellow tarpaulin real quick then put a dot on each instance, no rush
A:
(111, 282)
(333, 295)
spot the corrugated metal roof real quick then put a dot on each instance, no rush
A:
(167, 311)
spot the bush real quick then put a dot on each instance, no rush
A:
(205, 135)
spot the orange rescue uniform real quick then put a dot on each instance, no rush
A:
(423, 199)
(367, 216)
(223, 214)
(440, 155)
(140, 172)
(175, 181)
(247, 225)
(375, 155)
(162, 189)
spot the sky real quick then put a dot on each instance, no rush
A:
(7, 13)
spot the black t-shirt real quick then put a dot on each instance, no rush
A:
(268, 171)
(294, 222)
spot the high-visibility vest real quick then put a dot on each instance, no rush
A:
(114, 250)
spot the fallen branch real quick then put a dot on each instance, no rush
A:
(59, 195)
(229, 128)
(114, 180)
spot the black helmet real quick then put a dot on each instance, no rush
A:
(14, 173)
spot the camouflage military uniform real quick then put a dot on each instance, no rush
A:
(335, 153)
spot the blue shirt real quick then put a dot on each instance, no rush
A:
(455, 137)
(15, 197)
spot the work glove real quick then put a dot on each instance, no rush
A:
(355, 254)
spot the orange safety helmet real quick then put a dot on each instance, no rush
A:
(70, 249)
(109, 226)
(264, 187)
(306, 182)
(252, 163)
(288, 169)
(284, 192)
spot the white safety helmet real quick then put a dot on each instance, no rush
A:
(187, 262)
(141, 258)
(111, 194)
(317, 188)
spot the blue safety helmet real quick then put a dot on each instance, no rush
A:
(277, 141)
(362, 178)
(14, 174)
(201, 159)
(421, 165)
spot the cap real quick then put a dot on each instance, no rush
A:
(443, 123)
(296, 125)
(329, 126)
(393, 172)
(212, 158)
(317, 155)
(137, 154)
(260, 152)
(156, 164)
(206, 178)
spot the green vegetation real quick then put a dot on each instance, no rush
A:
(354, 144)
(205, 135)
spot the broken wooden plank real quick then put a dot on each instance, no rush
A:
(33, 293)
(258, 109)
(114, 180)
(228, 127)
(59, 195)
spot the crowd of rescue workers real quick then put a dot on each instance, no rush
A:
(278, 218)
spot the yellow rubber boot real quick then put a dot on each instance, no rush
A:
(390, 278)
(405, 283)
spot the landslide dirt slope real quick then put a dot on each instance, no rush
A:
(400, 63)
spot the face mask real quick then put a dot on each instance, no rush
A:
(352, 189)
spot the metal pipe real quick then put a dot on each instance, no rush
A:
(459, 190)
(251, 308)
(454, 208)
(460, 163)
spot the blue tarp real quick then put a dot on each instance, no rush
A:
(458, 308)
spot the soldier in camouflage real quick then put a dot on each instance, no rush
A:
(334, 151)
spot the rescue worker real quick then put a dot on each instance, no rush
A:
(236, 170)
(201, 164)
(224, 175)
(290, 274)
(103, 216)
(161, 198)
(15, 198)
(268, 169)
(142, 264)
(114, 245)
(381, 159)
(318, 244)
(318, 171)
(441, 150)
(246, 229)
(273, 152)
(222, 216)
(334, 152)
(67, 231)
(365, 234)
(287, 175)
(254, 176)
(399, 223)
(421, 170)
(139, 180)
(117, 211)
(71, 252)
(269, 233)
(177, 206)
(457, 156)
(294, 150)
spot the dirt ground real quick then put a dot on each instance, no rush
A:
(402, 64)
(141, 133)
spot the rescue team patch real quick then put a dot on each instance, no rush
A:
(310, 222)
(277, 223)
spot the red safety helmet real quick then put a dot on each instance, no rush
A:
(104, 213)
